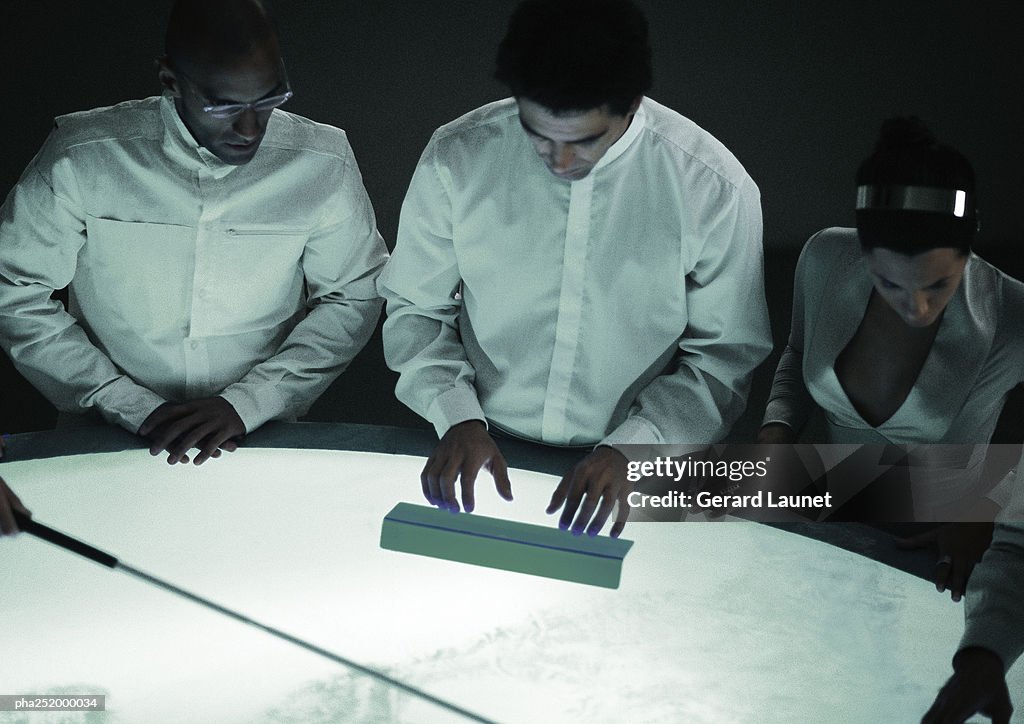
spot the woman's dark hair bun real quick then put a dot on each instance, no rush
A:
(908, 154)
(904, 133)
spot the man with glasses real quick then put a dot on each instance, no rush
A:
(220, 255)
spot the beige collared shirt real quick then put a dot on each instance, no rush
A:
(188, 277)
(625, 307)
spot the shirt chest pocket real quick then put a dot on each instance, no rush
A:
(139, 272)
(223, 281)
(250, 277)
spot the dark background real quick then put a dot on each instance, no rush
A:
(796, 90)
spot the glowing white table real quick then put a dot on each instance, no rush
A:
(725, 622)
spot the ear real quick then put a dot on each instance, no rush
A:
(167, 77)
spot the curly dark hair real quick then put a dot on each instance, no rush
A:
(576, 55)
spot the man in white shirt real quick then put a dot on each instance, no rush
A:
(577, 265)
(221, 254)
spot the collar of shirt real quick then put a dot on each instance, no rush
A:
(182, 147)
(636, 127)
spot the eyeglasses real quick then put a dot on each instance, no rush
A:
(232, 110)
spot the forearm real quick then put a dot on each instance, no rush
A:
(693, 405)
(436, 380)
(789, 402)
(994, 612)
(56, 356)
(311, 357)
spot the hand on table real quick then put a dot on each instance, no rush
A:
(960, 547)
(598, 478)
(210, 424)
(460, 454)
(977, 685)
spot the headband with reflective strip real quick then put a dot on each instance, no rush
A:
(913, 198)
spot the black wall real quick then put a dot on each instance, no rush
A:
(796, 89)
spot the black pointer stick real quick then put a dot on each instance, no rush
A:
(50, 535)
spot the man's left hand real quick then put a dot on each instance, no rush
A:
(978, 685)
(209, 424)
(592, 488)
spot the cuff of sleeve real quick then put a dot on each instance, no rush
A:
(639, 439)
(634, 431)
(780, 412)
(452, 407)
(1006, 494)
(125, 403)
(995, 640)
(254, 405)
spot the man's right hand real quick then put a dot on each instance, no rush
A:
(459, 455)
(210, 424)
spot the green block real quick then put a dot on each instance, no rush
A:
(508, 545)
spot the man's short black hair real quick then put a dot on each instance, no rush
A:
(576, 55)
(202, 30)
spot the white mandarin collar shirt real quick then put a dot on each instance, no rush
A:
(180, 146)
(188, 277)
(625, 307)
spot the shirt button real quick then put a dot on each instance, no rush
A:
(195, 345)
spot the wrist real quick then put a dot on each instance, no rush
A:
(977, 658)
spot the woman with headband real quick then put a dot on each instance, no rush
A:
(900, 334)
